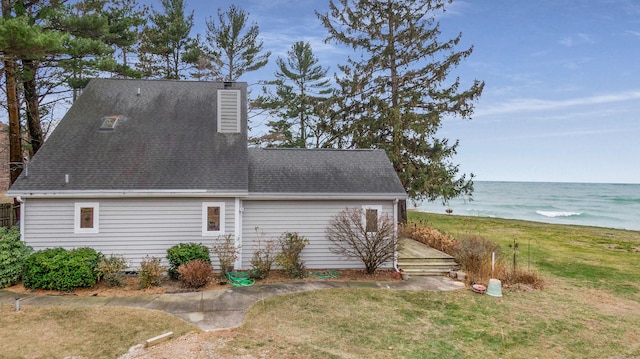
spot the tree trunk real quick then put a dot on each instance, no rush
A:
(15, 140)
(33, 105)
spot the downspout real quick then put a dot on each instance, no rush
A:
(395, 231)
(22, 210)
(238, 232)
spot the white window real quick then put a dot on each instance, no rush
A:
(86, 217)
(229, 111)
(371, 218)
(212, 218)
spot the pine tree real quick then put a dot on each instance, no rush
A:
(125, 19)
(301, 87)
(395, 92)
(234, 48)
(165, 41)
(24, 38)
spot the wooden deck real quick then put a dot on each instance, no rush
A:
(416, 258)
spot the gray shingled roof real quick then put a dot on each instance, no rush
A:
(167, 140)
(322, 171)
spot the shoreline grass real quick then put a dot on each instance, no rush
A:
(590, 257)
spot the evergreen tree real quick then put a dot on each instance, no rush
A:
(55, 44)
(125, 19)
(25, 36)
(234, 48)
(396, 91)
(301, 87)
(165, 41)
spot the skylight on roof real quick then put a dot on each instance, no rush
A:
(109, 122)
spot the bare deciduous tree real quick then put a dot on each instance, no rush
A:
(363, 234)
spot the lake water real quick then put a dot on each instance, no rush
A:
(589, 204)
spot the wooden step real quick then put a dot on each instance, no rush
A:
(417, 259)
(426, 272)
(427, 260)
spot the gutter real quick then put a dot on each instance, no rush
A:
(266, 196)
(125, 193)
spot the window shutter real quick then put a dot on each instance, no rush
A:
(229, 111)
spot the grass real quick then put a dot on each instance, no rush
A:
(89, 332)
(588, 257)
(589, 308)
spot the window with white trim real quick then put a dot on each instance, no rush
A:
(86, 217)
(371, 217)
(212, 218)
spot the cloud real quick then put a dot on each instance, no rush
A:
(574, 40)
(634, 33)
(532, 104)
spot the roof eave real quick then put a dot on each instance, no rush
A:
(125, 193)
(263, 196)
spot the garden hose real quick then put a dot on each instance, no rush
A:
(239, 279)
(324, 275)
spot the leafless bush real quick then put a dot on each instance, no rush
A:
(474, 254)
(226, 251)
(433, 238)
(521, 277)
(195, 273)
(263, 256)
(352, 239)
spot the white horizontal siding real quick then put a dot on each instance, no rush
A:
(309, 219)
(133, 228)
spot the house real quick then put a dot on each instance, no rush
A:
(137, 166)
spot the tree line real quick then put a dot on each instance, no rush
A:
(391, 94)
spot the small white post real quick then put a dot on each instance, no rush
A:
(493, 262)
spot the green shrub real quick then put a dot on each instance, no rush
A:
(61, 269)
(226, 251)
(150, 272)
(13, 252)
(195, 274)
(182, 253)
(111, 270)
(290, 256)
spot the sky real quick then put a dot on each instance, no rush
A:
(561, 101)
(562, 96)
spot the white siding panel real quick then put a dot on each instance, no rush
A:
(133, 228)
(308, 218)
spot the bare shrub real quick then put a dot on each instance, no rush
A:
(226, 251)
(474, 255)
(263, 256)
(150, 272)
(433, 238)
(353, 236)
(195, 273)
(290, 256)
(522, 277)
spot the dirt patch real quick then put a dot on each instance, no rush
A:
(169, 285)
(193, 345)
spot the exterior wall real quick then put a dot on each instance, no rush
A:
(133, 228)
(308, 218)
